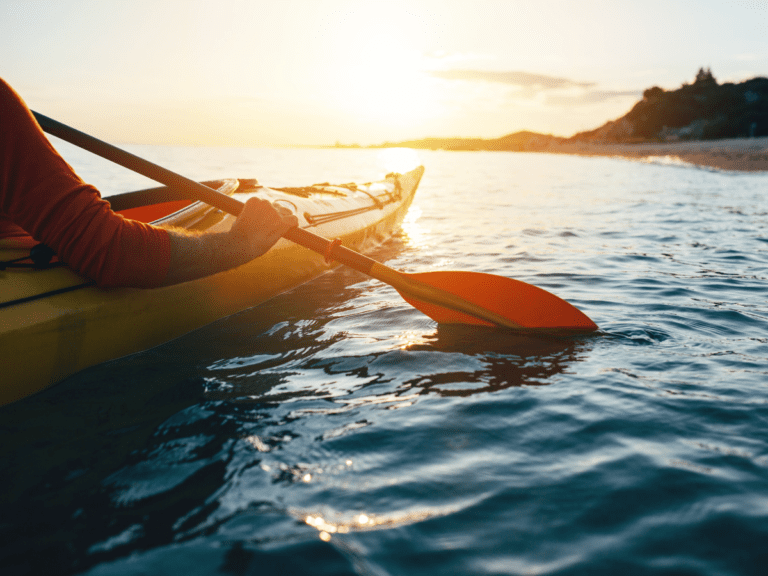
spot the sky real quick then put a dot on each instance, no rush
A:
(317, 72)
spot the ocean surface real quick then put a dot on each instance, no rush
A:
(335, 430)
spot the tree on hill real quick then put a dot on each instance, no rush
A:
(704, 78)
(653, 93)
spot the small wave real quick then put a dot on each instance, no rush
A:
(677, 162)
(638, 336)
(668, 160)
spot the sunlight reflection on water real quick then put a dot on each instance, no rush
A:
(400, 160)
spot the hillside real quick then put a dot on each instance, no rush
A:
(703, 110)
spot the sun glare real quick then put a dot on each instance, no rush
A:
(387, 86)
(399, 160)
(377, 70)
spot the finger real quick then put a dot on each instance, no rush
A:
(282, 210)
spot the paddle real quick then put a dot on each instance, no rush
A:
(447, 297)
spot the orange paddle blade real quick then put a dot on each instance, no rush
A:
(531, 307)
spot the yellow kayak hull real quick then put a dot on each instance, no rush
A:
(51, 326)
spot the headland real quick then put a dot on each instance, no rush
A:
(722, 126)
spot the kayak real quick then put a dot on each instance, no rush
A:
(54, 323)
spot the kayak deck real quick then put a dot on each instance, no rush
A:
(54, 323)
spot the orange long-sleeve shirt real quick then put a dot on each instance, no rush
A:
(41, 196)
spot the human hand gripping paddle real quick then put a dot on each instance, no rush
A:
(447, 297)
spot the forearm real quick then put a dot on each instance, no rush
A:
(254, 232)
(197, 255)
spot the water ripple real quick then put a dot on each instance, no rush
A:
(336, 430)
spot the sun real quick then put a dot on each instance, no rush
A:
(376, 73)
(387, 86)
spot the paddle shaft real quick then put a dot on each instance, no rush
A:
(300, 236)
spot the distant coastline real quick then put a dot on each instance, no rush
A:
(743, 154)
(704, 123)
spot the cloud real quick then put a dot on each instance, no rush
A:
(593, 96)
(515, 78)
(546, 90)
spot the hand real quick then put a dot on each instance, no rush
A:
(260, 225)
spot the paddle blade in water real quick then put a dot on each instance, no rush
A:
(528, 306)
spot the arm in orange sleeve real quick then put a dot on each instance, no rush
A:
(41, 195)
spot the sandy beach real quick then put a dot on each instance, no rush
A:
(745, 154)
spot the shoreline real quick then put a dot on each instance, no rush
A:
(740, 154)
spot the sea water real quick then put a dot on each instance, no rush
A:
(336, 430)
